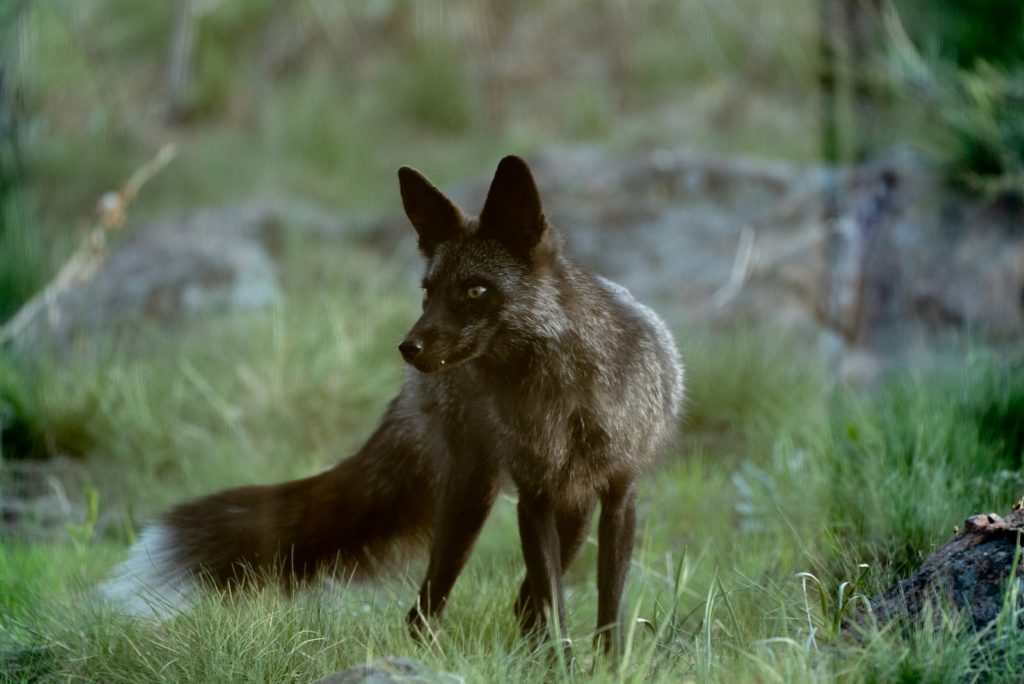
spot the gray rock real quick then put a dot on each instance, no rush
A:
(884, 259)
(165, 272)
(882, 263)
(391, 671)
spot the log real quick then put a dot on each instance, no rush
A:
(969, 576)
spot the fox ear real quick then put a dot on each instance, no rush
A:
(512, 214)
(435, 217)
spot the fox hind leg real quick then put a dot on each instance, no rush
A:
(616, 531)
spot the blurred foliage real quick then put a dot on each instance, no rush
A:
(973, 56)
(436, 94)
(996, 406)
(325, 100)
(21, 255)
(967, 32)
(984, 109)
(740, 390)
(44, 413)
(21, 251)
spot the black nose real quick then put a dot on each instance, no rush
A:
(410, 348)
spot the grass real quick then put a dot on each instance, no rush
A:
(780, 490)
(778, 474)
(373, 86)
(936, 437)
(22, 265)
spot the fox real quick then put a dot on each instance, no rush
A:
(524, 370)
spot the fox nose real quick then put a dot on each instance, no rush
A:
(410, 348)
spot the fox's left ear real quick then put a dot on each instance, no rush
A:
(435, 217)
(512, 214)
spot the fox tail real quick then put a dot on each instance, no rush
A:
(355, 518)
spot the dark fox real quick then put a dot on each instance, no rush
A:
(523, 369)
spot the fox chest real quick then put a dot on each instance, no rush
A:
(544, 437)
(554, 446)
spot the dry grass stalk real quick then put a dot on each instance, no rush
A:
(83, 262)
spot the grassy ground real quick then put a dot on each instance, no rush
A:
(777, 474)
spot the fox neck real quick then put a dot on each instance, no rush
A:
(555, 331)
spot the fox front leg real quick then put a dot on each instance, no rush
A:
(616, 532)
(464, 508)
(538, 533)
(572, 524)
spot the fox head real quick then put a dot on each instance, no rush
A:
(485, 277)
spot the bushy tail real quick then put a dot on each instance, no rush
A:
(353, 518)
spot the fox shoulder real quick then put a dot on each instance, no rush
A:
(665, 345)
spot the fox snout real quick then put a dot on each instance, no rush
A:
(431, 346)
(410, 348)
(432, 343)
(424, 351)
(414, 351)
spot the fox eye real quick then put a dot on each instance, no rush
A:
(476, 292)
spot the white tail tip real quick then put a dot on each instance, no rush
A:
(149, 583)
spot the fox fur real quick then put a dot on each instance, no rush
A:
(523, 369)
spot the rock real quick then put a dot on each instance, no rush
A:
(968, 575)
(169, 271)
(884, 258)
(164, 272)
(391, 671)
(882, 262)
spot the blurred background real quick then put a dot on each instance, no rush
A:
(322, 101)
(200, 194)
(314, 104)
(204, 272)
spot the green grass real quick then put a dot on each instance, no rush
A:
(22, 254)
(371, 87)
(953, 442)
(777, 474)
(304, 384)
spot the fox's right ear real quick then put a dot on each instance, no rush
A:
(435, 217)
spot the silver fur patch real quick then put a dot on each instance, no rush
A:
(665, 338)
(148, 583)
